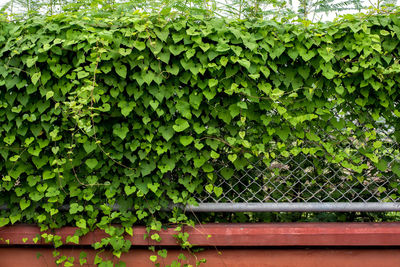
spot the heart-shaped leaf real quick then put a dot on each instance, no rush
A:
(180, 125)
(81, 223)
(129, 190)
(35, 77)
(89, 146)
(209, 188)
(232, 157)
(166, 132)
(23, 203)
(75, 208)
(153, 187)
(218, 191)
(176, 49)
(91, 163)
(227, 173)
(120, 69)
(121, 131)
(186, 140)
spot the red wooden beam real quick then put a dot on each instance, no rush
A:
(237, 235)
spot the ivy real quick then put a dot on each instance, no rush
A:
(140, 111)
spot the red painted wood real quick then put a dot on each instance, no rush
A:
(351, 257)
(263, 234)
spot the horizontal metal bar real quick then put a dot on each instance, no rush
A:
(296, 207)
(282, 207)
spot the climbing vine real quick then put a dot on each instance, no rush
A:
(123, 119)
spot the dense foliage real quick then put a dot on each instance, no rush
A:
(313, 10)
(136, 110)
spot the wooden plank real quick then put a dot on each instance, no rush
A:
(252, 235)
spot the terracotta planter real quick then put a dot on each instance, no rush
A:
(281, 244)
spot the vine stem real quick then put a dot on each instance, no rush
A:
(92, 116)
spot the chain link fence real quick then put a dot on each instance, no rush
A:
(309, 181)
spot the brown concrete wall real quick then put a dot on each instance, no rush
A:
(271, 245)
(21, 257)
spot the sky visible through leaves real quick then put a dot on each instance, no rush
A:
(295, 5)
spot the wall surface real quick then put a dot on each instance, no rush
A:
(344, 257)
(282, 244)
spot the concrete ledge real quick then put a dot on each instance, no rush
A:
(238, 235)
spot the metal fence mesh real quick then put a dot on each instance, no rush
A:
(308, 177)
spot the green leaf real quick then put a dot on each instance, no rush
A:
(31, 61)
(283, 133)
(198, 162)
(153, 258)
(223, 47)
(35, 77)
(212, 82)
(396, 168)
(162, 34)
(91, 163)
(139, 45)
(126, 107)
(89, 146)
(339, 90)
(60, 70)
(186, 140)
(382, 165)
(174, 69)
(209, 188)
(304, 71)
(40, 161)
(4, 221)
(227, 173)
(377, 144)
(217, 191)
(214, 154)
(9, 139)
(195, 100)
(81, 223)
(265, 71)
(209, 94)
(232, 157)
(148, 77)
(75, 208)
(48, 175)
(49, 95)
(176, 49)
(153, 187)
(23, 203)
(180, 125)
(82, 74)
(166, 132)
(129, 190)
(162, 253)
(245, 63)
(147, 168)
(204, 46)
(207, 167)
(120, 264)
(120, 69)
(326, 53)
(120, 131)
(307, 54)
(276, 94)
(184, 108)
(361, 101)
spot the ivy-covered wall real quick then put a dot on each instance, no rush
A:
(137, 110)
